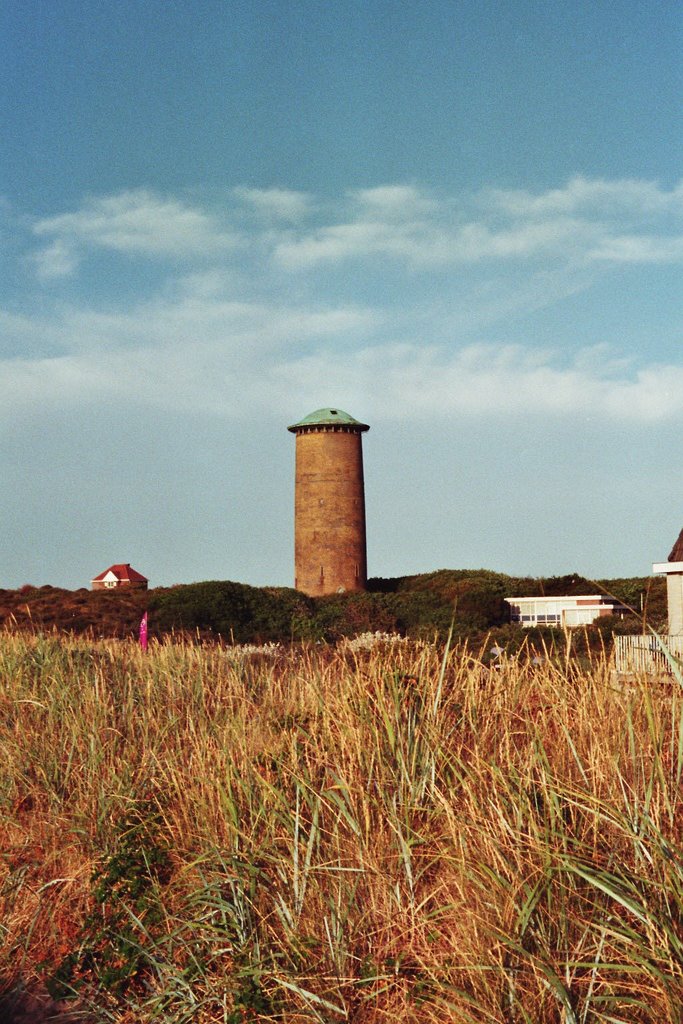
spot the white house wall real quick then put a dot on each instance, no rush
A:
(674, 598)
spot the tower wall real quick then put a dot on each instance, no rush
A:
(329, 514)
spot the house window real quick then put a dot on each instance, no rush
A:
(110, 583)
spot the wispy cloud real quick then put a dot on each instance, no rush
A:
(584, 220)
(233, 322)
(394, 201)
(138, 222)
(639, 249)
(196, 351)
(503, 382)
(590, 196)
(415, 242)
(59, 259)
(233, 359)
(277, 203)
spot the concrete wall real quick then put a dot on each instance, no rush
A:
(329, 513)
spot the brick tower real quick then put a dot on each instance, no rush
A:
(329, 506)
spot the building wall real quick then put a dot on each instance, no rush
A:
(561, 611)
(128, 584)
(329, 513)
(674, 598)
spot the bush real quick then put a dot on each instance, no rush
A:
(233, 611)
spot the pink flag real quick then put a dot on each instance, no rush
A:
(143, 632)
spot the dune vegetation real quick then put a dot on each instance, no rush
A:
(416, 606)
(378, 830)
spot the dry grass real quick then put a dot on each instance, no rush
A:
(323, 835)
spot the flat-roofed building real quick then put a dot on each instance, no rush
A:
(564, 612)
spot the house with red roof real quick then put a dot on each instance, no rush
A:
(119, 576)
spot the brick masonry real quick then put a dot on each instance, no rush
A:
(329, 515)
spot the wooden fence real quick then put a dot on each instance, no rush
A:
(644, 653)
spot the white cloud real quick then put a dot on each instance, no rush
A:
(240, 330)
(234, 328)
(589, 221)
(55, 261)
(475, 242)
(425, 243)
(394, 201)
(196, 352)
(279, 203)
(139, 222)
(639, 249)
(234, 359)
(624, 196)
(14, 326)
(583, 221)
(504, 383)
(414, 242)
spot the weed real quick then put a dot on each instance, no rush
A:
(390, 830)
(126, 890)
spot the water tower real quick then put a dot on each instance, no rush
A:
(329, 506)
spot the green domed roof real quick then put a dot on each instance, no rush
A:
(328, 418)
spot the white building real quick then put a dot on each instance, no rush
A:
(673, 570)
(674, 593)
(562, 611)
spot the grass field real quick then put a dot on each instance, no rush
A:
(373, 832)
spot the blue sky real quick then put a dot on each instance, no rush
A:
(460, 222)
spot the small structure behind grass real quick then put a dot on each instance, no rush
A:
(650, 653)
(565, 612)
(121, 575)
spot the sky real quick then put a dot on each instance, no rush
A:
(461, 223)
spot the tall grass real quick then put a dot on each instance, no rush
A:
(318, 834)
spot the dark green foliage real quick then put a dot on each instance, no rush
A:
(127, 912)
(472, 598)
(233, 611)
(424, 606)
(340, 615)
(646, 595)
(565, 586)
(249, 999)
